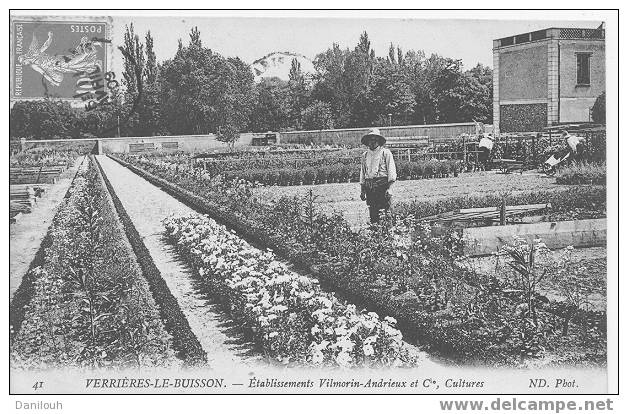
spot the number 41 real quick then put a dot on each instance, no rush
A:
(38, 385)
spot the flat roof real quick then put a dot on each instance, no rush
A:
(552, 33)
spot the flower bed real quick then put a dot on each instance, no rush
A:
(86, 303)
(293, 320)
(397, 269)
(582, 173)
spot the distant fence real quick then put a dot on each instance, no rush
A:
(351, 136)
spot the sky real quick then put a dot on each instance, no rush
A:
(251, 38)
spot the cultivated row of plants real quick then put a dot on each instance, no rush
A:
(277, 162)
(85, 303)
(292, 319)
(327, 171)
(577, 203)
(184, 342)
(398, 268)
(341, 173)
(582, 173)
(276, 151)
(43, 156)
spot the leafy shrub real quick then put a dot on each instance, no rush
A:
(598, 111)
(582, 173)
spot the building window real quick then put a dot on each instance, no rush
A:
(583, 62)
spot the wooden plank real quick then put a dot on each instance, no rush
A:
(514, 207)
(486, 212)
(556, 235)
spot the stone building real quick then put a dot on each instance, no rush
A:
(547, 77)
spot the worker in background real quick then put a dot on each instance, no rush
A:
(377, 174)
(575, 144)
(485, 146)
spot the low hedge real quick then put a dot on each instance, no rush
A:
(89, 304)
(185, 343)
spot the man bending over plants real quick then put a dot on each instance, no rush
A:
(377, 174)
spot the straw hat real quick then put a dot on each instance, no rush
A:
(373, 133)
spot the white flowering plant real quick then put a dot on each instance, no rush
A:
(293, 319)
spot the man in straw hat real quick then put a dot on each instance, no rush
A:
(377, 174)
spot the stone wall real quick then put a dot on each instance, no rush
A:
(523, 117)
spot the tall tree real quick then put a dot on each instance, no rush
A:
(330, 85)
(299, 93)
(141, 107)
(343, 80)
(195, 38)
(391, 54)
(317, 116)
(150, 70)
(271, 109)
(203, 92)
(133, 59)
(390, 93)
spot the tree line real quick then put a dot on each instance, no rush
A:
(199, 91)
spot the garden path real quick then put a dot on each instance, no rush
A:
(26, 235)
(147, 205)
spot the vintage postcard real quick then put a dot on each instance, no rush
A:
(310, 203)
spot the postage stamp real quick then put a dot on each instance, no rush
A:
(61, 59)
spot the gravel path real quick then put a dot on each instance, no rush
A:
(147, 205)
(26, 235)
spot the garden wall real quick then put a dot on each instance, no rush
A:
(187, 143)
